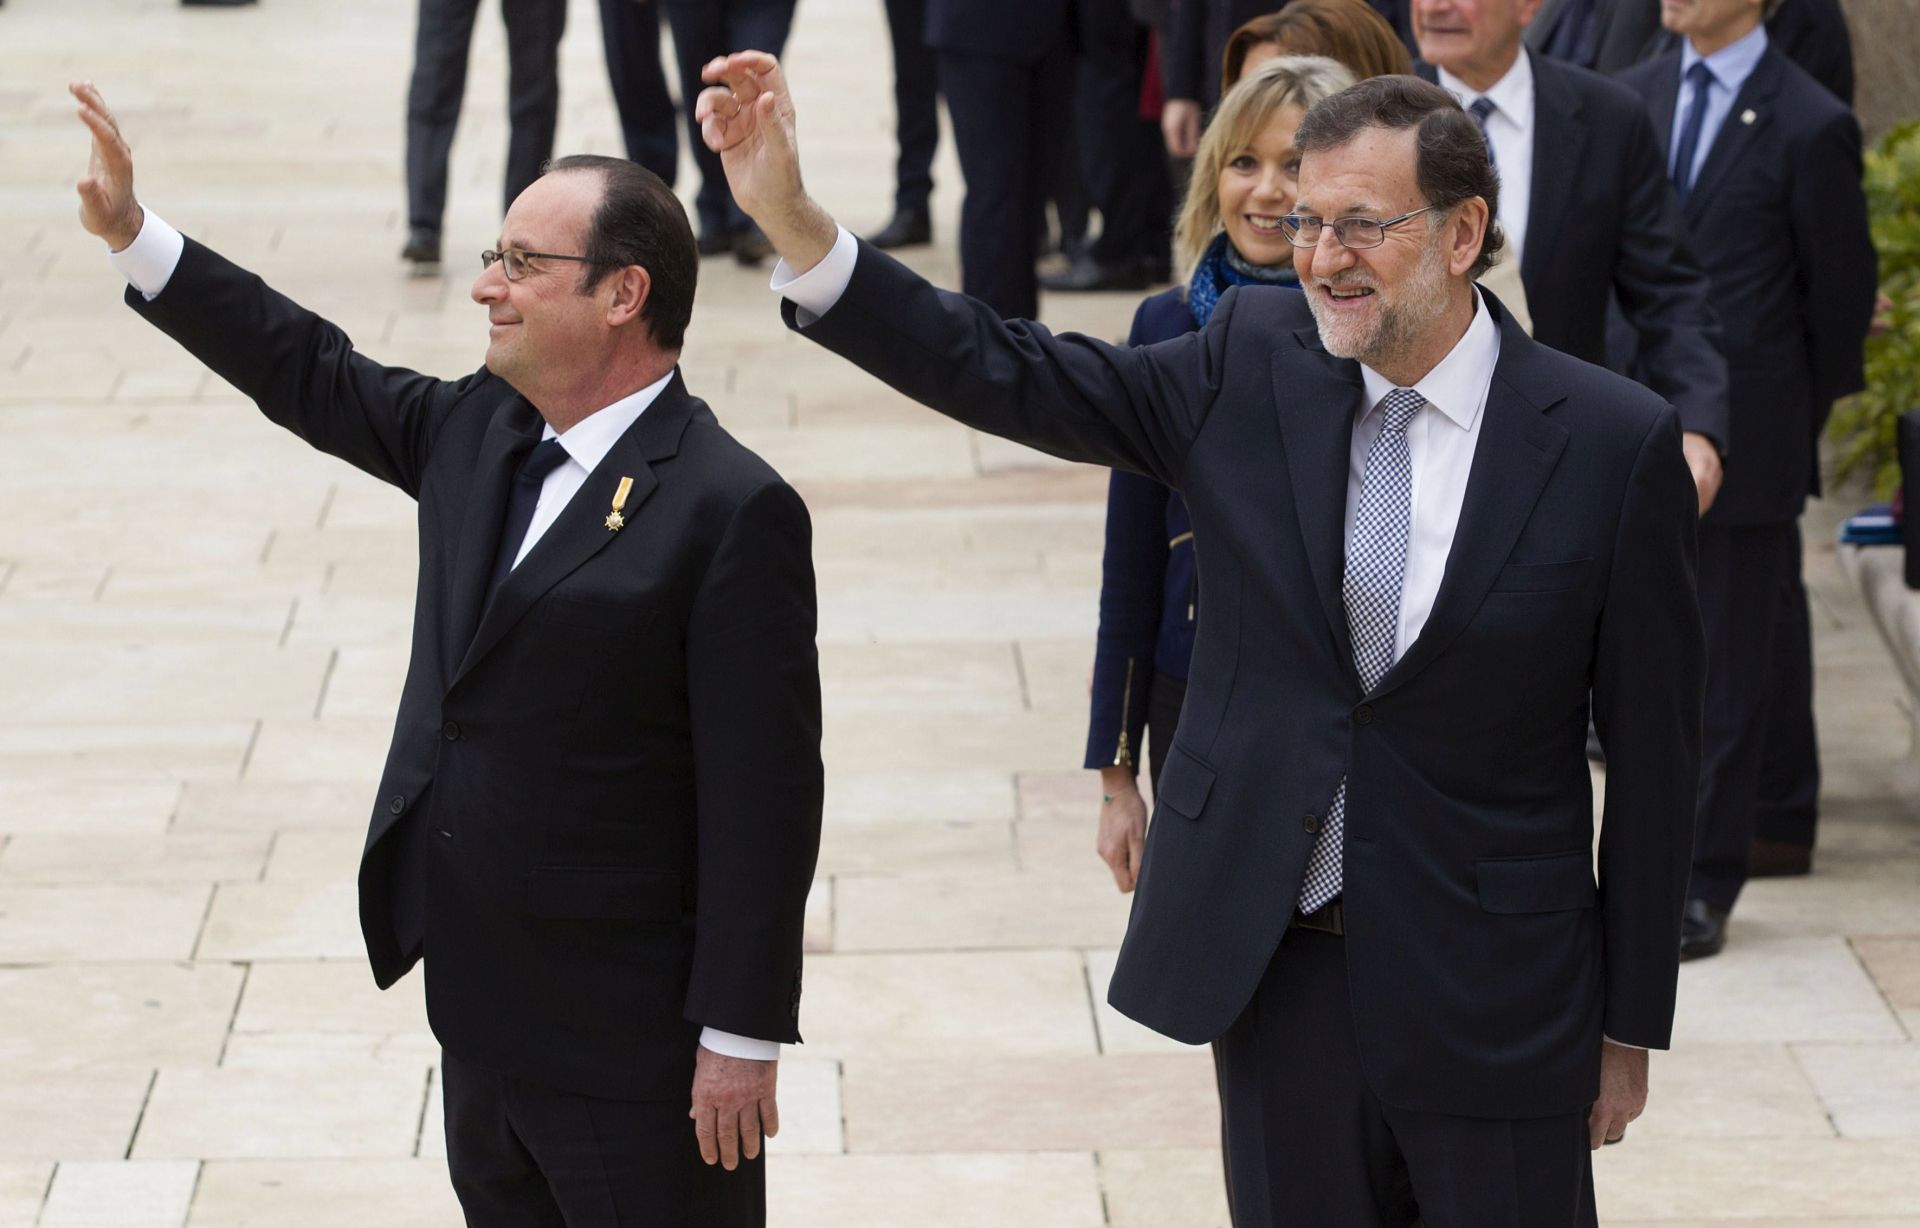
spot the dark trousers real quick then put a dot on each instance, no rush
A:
(1788, 811)
(703, 29)
(1165, 695)
(630, 29)
(440, 48)
(1749, 577)
(1008, 124)
(916, 105)
(523, 1156)
(1310, 1146)
(1121, 155)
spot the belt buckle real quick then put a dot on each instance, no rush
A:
(1329, 918)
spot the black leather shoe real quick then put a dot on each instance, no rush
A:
(1778, 859)
(1703, 930)
(907, 228)
(1086, 275)
(422, 252)
(712, 243)
(750, 247)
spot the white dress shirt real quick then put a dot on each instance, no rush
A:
(148, 264)
(1510, 131)
(1730, 66)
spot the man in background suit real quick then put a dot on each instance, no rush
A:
(1768, 164)
(916, 127)
(601, 808)
(1006, 68)
(1587, 210)
(1611, 35)
(1425, 540)
(649, 122)
(439, 82)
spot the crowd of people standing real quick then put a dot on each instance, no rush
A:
(1680, 201)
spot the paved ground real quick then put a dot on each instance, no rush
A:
(202, 637)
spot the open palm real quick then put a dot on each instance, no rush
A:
(746, 116)
(107, 204)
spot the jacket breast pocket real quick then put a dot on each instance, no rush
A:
(597, 616)
(1184, 783)
(592, 893)
(1542, 577)
(1557, 882)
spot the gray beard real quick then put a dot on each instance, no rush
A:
(1420, 302)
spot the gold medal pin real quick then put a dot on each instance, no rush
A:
(615, 521)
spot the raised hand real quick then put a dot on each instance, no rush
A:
(746, 116)
(107, 204)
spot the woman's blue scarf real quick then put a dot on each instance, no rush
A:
(1224, 266)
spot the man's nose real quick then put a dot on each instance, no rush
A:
(1330, 255)
(491, 285)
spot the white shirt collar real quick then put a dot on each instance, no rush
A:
(589, 440)
(1512, 94)
(1733, 63)
(1457, 385)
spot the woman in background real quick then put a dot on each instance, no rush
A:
(1228, 234)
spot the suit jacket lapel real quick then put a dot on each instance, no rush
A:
(1518, 450)
(1319, 445)
(1559, 144)
(1730, 143)
(515, 428)
(1662, 100)
(581, 532)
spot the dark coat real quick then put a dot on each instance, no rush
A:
(1020, 30)
(601, 806)
(1811, 33)
(1603, 222)
(1148, 590)
(1780, 220)
(1484, 964)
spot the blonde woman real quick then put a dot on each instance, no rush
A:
(1228, 234)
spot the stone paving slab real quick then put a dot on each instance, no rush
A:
(121, 1194)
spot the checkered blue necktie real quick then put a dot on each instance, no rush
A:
(1376, 566)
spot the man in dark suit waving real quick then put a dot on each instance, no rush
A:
(600, 812)
(1425, 541)
(1767, 164)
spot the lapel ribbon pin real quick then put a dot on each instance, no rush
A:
(615, 521)
(1747, 116)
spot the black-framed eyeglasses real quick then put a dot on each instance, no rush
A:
(1303, 230)
(514, 264)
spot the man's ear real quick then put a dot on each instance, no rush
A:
(632, 287)
(1466, 231)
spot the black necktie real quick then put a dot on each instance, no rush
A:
(544, 459)
(1481, 108)
(1700, 77)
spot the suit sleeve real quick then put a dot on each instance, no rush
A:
(1648, 688)
(1665, 294)
(1183, 50)
(1067, 395)
(753, 691)
(1133, 574)
(302, 371)
(1833, 246)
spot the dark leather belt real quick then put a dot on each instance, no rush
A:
(1329, 918)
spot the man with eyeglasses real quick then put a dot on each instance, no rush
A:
(1424, 540)
(600, 812)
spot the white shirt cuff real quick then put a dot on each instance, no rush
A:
(149, 261)
(815, 291)
(1623, 1044)
(726, 1044)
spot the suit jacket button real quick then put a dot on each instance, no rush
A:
(1311, 824)
(451, 731)
(1364, 714)
(397, 805)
